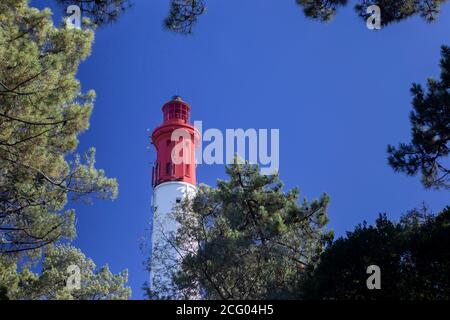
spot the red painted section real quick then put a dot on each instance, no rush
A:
(176, 116)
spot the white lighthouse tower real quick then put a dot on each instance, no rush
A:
(173, 179)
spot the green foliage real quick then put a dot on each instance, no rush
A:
(100, 12)
(397, 10)
(183, 15)
(246, 239)
(391, 10)
(51, 282)
(429, 147)
(42, 113)
(412, 254)
(322, 10)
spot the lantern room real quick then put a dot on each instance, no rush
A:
(175, 137)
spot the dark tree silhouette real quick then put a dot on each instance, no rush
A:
(397, 10)
(430, 121)
(245, 239)
(322, 10)
(99, 11)
(183, 15)
(412, 254)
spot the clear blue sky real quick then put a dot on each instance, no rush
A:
(338, 92)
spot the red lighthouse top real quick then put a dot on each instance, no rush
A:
(175, 140)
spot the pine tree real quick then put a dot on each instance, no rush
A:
(42, 113)
(322, 10)
(412, 255)
(52, 281)
(246, 239)
(184, 13)
(100, 12)
(393, 11)
(430, 121)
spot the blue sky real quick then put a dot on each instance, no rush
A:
(338, 92)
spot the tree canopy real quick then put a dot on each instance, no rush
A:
(245, 239)
(391, 10)
(51, 282)
(430, 129)
(184, 13)
(42, 113)
(100, 12)
(412, 254)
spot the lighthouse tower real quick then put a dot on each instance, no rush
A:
(173, 175)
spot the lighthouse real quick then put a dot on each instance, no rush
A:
(173, 176)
